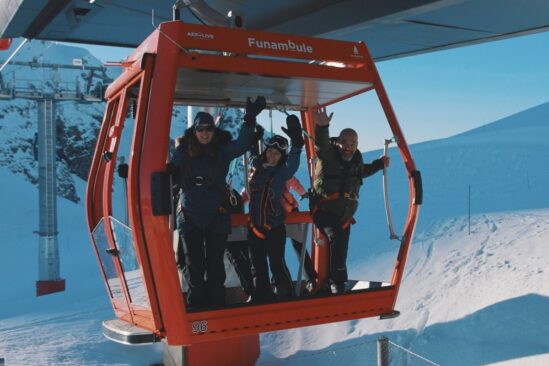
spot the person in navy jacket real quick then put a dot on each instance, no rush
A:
(267, 233)
(201, 162)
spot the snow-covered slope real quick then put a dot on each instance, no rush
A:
(466, 299)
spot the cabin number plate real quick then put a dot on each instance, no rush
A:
(200, 326)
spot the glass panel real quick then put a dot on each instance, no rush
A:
(130, 264)
(107, 262)
(120, 182)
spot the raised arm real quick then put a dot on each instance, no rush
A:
(242, 143)
(246, 135)
(322, 134)
(294, 132)
(292, 164)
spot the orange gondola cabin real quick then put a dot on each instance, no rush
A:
(187, 64)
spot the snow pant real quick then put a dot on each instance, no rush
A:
(271, 247)
(307, 263)
(238, 253)
(180, 257)
(204, 252)
(338, 239)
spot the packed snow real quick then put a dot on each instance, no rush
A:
(475, 290)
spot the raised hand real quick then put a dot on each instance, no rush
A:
(254, 108)
(321, 118)
(294, 131)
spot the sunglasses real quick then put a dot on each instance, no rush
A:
(204, 128)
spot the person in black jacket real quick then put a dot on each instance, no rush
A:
(338, 176)
(201, 163)
(267, 232)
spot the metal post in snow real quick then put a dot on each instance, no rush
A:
(469, 209)
(383, 351)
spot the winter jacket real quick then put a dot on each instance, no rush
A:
(287, 199)
(266, 187)
(200, 176)
(337, 182)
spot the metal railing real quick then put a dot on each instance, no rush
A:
(375, 352)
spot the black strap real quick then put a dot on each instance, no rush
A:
(266, 201)
(191, 180)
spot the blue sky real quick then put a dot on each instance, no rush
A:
(443, 93)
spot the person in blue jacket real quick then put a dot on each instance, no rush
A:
(201, 162)
(267, 233)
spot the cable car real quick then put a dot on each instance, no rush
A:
(188, 64)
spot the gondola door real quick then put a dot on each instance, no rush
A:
(109, 213)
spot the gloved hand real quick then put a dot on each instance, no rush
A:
(294, 131)
(259, 132)
(254, 108)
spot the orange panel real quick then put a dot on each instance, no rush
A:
(5, 43)
(243, 41)
(241, 351)
(291, 218)
(301, 312)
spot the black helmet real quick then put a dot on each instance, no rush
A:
(278, 142)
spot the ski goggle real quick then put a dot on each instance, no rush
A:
(277, 143)
(206, 128)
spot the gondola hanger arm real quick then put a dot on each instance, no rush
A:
(392, 234)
